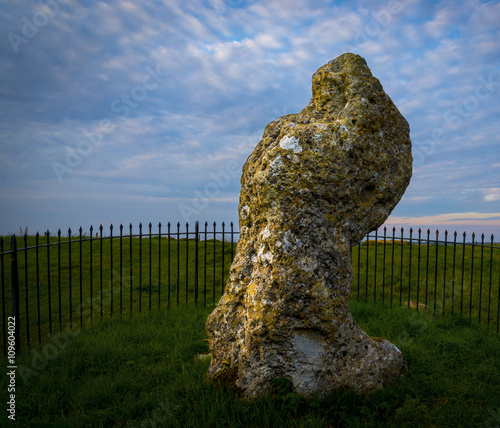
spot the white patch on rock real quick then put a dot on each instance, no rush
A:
(265, 258)
(265, 233)
(290, 143)
(308, 348)
(276, 164)
(290, 242)
(308, 352)
(245, 211)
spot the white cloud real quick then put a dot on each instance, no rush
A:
(492, 194)
(440, 22)
(467, 218)
(269, 41)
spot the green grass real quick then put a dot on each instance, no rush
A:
(147, 279)
(155, 276)
(445, 278)
(143, 371)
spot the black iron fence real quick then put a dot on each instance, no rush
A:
(447, 273)
(55, 282)
(52, 283)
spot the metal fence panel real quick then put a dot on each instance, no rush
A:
(82, 281)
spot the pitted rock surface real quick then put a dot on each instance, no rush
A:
(316, 183)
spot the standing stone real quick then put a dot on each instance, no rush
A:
(316, 183)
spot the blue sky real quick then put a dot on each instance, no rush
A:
(121, 111)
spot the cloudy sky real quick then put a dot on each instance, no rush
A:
(121, 111)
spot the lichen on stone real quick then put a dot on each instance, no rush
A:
(316, 183)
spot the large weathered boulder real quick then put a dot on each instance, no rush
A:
(316, 183)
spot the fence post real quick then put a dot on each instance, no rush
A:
(222, 251)
(15, 292)
(196, 231)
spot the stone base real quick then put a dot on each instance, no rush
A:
(314, 364)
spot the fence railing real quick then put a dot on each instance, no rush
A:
(54, 282)
(441, 274)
